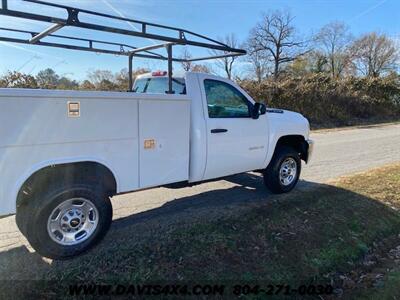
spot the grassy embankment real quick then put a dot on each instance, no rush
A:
(340, 233)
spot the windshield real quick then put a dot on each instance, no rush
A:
(159, 85)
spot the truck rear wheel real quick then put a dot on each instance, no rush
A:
(67, 221)
(283, 172)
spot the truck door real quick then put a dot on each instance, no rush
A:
(235, 141)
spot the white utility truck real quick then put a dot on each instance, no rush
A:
(63, 154)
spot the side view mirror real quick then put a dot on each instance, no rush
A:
(258, 109)
(263, 109)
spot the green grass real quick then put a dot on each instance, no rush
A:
(294, 238)
(390, 289)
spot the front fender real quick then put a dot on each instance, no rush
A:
(283, 123)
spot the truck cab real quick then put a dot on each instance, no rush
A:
(230, 133)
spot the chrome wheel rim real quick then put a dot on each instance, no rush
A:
(288, 171)
(73, 221)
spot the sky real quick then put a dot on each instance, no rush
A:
(213, 18)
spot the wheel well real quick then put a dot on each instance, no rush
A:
(88, 172)
(297, 142)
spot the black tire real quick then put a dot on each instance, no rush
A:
(22, 213)
(272, 173)
(34, 216)
(21, 218)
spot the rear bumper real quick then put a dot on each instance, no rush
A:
(310, 150)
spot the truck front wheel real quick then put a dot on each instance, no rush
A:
(283, 171)
(67, 221)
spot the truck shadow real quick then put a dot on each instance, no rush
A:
(131, 232)
(249, 189)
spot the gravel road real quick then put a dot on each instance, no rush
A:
(337, 153)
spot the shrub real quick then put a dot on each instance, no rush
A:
(331, 102)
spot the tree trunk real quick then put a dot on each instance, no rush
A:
(276, 69)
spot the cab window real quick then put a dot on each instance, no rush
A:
(225, 101)
(159, 85)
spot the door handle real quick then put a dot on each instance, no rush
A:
(218, 130)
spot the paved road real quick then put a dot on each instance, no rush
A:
(337, 153)
(343, 152)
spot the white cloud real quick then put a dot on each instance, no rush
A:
(367, 11)
(11, 45)
(123, 16)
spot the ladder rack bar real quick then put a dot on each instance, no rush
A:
(180, 31)
(74, 21)
(90, 41)
(82, 48)
(169, 50)
(153, 47)
(176, 36)
(45, 33)
(130, 88)
(213, 57)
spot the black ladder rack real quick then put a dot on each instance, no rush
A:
(177, 36)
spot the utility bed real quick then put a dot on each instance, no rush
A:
(121, 129)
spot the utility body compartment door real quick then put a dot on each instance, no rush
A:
(236, 142)
(163, 140)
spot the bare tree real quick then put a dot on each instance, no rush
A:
(226, 63)
(374, 54)
(333, 39)
(186, 65)
(190, 66)
(314, 62)
(64, 83)
(260, 63)
(86, 85)
(100, 77)
(301, 66)
(200, 69)
(318, 62)
(121, 78)
(275, 36)
(47, 79)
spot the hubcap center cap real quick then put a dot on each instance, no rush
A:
(74, 222)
